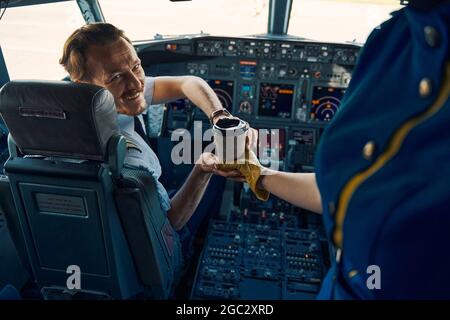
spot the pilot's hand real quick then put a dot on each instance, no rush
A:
(208, 163)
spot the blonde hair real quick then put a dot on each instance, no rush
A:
(74, 52)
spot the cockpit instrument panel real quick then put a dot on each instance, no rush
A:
(224, 90)
(272, 83)
(325, 102)
(275, 100)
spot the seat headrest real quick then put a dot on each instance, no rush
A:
(59, 118)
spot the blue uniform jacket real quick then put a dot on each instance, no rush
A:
(383, 163)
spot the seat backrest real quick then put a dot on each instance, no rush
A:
(15, 268)
(154, 243)
(65, 166)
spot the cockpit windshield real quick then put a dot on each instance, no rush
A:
(143, 19)
(321, 20)
(339, 20)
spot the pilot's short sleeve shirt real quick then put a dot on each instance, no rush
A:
(140, 155)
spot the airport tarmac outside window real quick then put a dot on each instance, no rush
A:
(32, 38)
(339, 20)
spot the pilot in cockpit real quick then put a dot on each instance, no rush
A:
(101, 54)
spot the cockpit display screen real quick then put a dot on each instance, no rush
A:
(247, 69)
(275, 100)
(325, 102)
(224, 91)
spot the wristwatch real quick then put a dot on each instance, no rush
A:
(215, 113)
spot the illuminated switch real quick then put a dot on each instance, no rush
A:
(425, 87)
(369, 150)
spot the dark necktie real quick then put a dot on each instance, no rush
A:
(140, 130)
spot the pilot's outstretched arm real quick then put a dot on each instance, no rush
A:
(193, 88)
(196, 90)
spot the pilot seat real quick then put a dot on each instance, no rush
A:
(89, 225)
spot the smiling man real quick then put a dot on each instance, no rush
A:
(102, 55)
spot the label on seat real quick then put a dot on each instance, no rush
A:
(59, 204)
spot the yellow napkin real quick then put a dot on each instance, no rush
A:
(251, 170)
